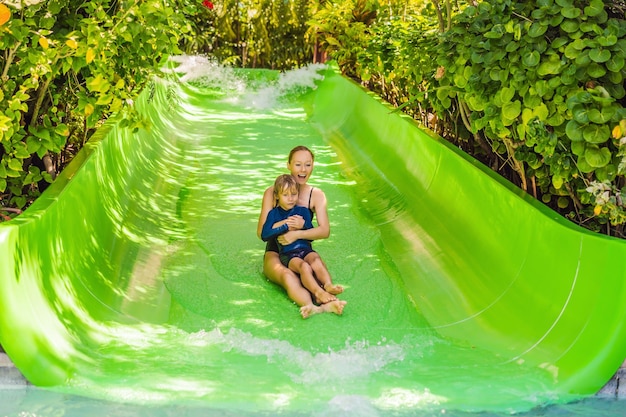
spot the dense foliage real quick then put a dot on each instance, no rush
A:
(65, 66)
(534, 89)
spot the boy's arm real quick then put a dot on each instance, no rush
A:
(269, 230)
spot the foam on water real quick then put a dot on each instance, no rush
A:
(240, 90)
(205, 72)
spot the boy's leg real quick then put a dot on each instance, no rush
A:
(309, 282)
(322, 274)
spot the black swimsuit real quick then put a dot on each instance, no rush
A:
(272, 245)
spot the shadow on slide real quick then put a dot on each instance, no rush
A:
(137, 275)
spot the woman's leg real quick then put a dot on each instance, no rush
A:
(286, 278)
(276, 272)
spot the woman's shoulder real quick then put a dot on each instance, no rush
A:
(317, 192)
(317, 197)
(269, 190)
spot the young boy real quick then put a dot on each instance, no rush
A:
(298, 256)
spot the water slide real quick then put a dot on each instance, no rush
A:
(136, 276)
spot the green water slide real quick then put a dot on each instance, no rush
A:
(137, 276)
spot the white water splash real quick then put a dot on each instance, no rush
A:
(355, 360)
(293, 82)
(208, 73)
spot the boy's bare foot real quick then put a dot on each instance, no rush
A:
(335, 306)
(333, 289)
(323, 297)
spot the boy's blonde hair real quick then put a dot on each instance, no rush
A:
(284, 182)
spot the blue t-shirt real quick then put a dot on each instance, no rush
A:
(278, 214)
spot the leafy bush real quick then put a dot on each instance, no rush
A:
(534, 89)
(542, 81)
(66, 66)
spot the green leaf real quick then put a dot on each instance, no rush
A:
(562, 202)
(559, 42)
(557, 181)
(511, 110)
(541, 112)
(596, 70)
(15, 164)
(531, 60)
(616, 63)
(580, 114)
(556, 20)
(601, 116)
(532, 100)
(594, 133)
(506, 94)
(569, 26)
(595, 8)
(475, 103)
(599, 55)
(606, 173)
(597, 157)
(40, 133)
(550, 66)
(21, 151)
(616, 78)
(570, 12)
(583, 59)
(459, 80)
(3, 185)
(578, 148)
(589, 27)
(537, 29)
(608, 40)
(33, 144)
(98, 84)
(583, 165)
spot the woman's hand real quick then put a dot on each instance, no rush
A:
(287, 238)
(295, 222)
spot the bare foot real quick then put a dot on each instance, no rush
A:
(323, 297)
(307, 310)
(333, 289)
(335, 306)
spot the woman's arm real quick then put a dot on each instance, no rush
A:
(266, 206)
(321, 231)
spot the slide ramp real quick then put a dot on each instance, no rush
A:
(137, 275)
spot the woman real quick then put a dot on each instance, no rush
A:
(300, 164)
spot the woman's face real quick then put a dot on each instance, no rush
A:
(301, 166)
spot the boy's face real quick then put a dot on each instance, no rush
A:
(288, 197)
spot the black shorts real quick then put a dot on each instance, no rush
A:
(271, 246)
(298, 253)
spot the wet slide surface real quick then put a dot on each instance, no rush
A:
(136, 277)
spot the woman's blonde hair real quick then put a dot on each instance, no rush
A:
(298, 149)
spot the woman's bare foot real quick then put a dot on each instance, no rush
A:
(333, 289)
(335, 306)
